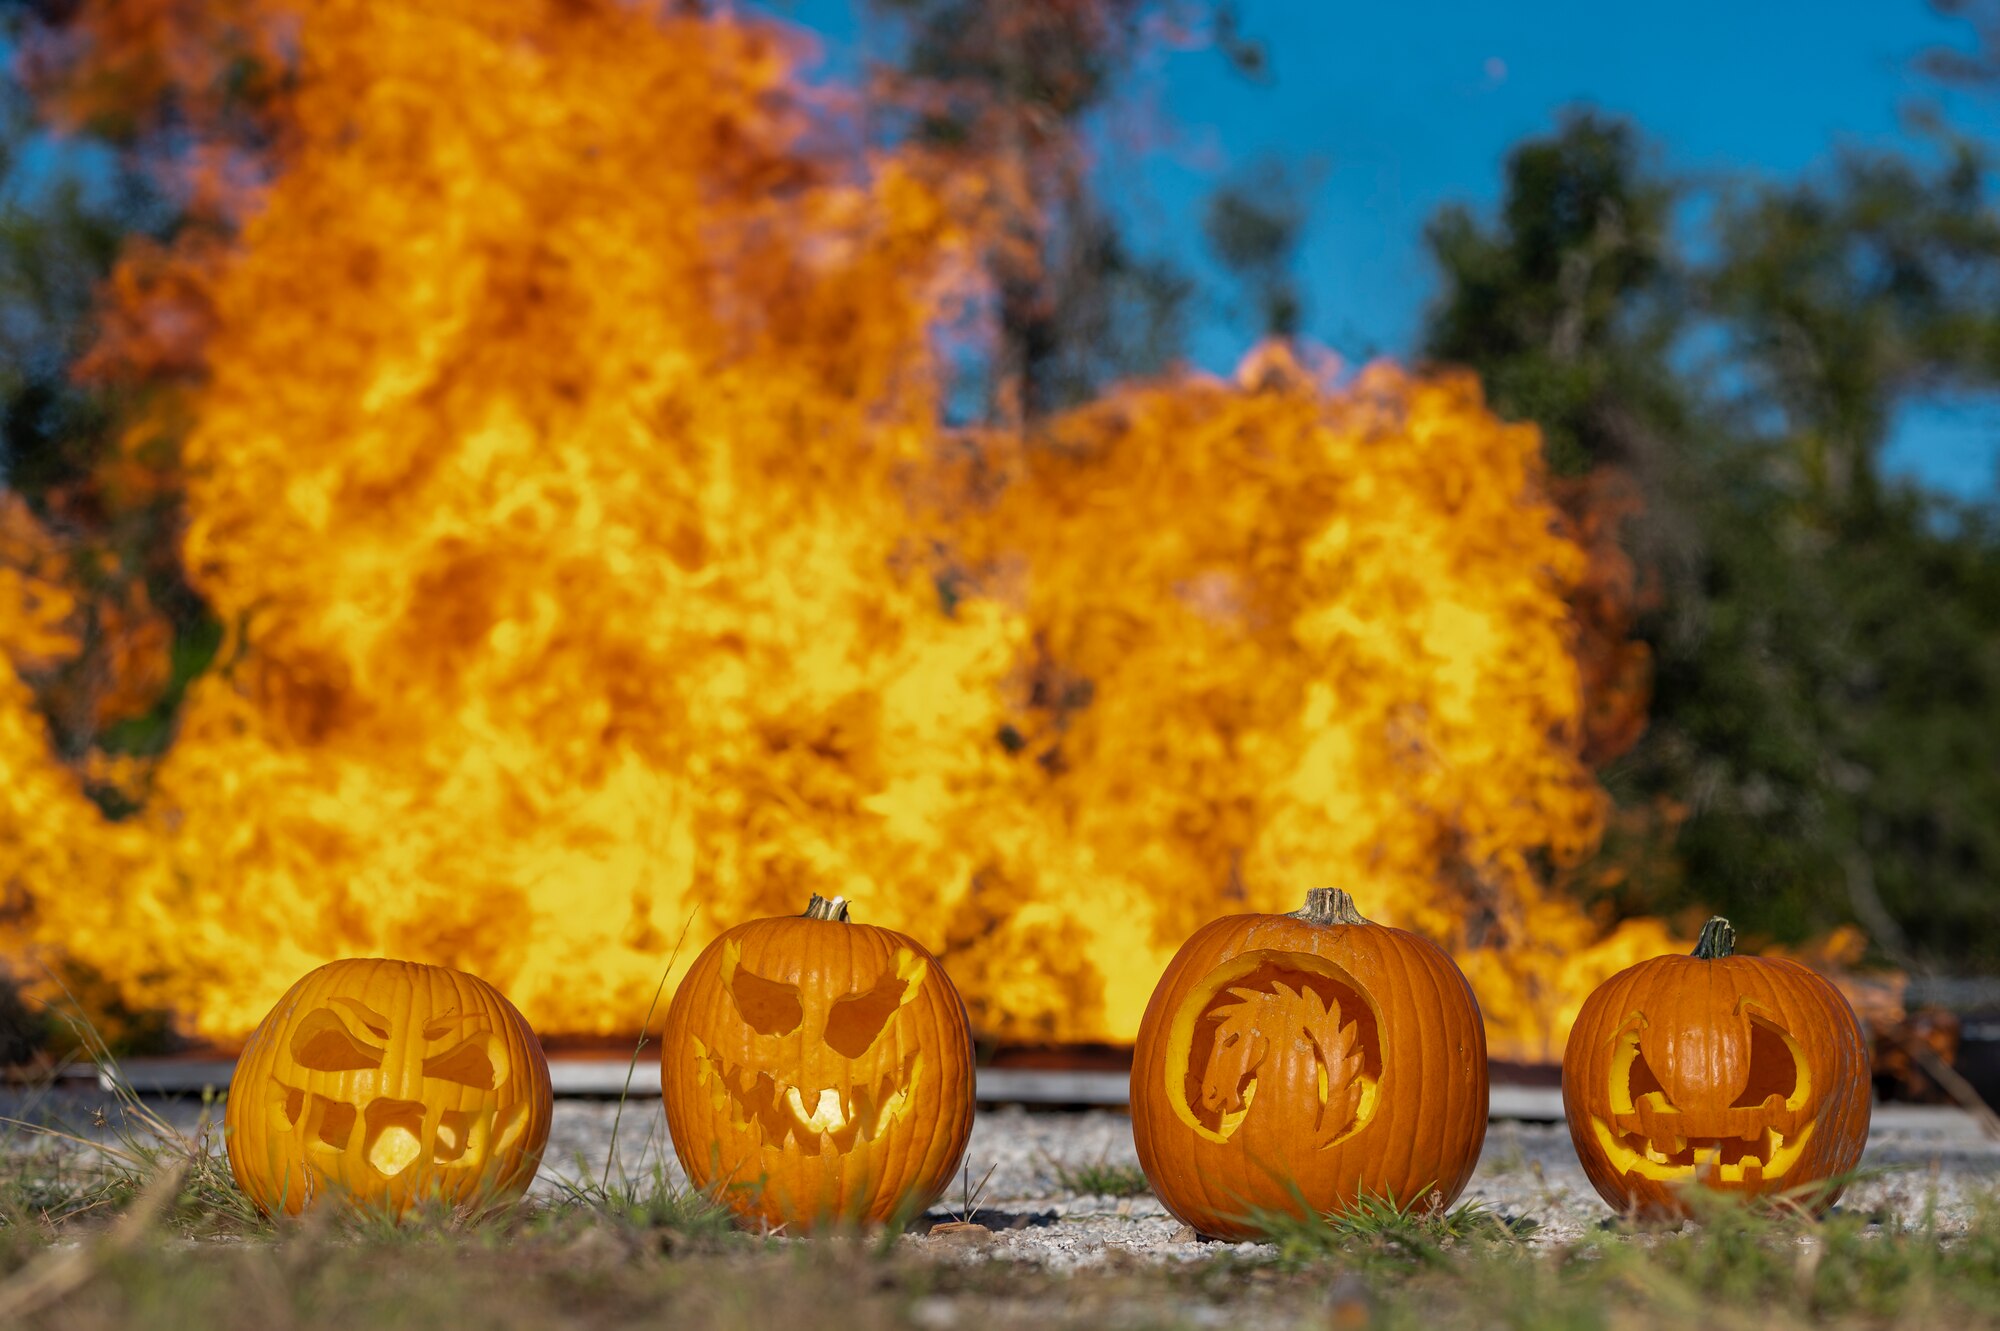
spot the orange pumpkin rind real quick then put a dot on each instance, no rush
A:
(817, 1071)
(388, 1085)
(1738, 1075)
(1296, 1064)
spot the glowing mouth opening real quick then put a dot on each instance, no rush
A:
(390, 1134)
(814, 1119)
(1768, 1153)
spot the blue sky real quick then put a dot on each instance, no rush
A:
(1397, 108)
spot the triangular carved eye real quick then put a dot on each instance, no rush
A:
(1643, 1081)
(769, 1007)
(323, 1042)
(858, 1019)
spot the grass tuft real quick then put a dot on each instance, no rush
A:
(674, 1215)
(128, 1143)
(1101, 1178)
(129, 1222)
(1377, 1231)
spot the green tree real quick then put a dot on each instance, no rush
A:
(1011, 83)
(68, 208)
(1826, 644)
(1253, 225)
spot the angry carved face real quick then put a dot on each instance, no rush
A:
(786, 1077)
(388, 1082)
(815, 1068)
(335, 1115)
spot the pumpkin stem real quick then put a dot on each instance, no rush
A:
(827, 908)
(1328, 905)
(1718, 940)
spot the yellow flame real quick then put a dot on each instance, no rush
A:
(569, 468)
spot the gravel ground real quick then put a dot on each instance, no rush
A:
(1528, 1170)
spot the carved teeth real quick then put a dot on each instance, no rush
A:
(1747, 1170)
(1770, 1155)
(829, 1112)
(828, 1118)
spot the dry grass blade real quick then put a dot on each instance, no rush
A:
(969, 1195)
(632, 1068)
(58, 1273)
(129, 1159)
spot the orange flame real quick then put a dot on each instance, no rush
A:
(1292, 634)
(568, 464)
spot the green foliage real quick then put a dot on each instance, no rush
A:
(1383, 1233)
(1568, 307)
(653, 1203)
(1101, 1178)
(1253, 225)
(68, 209)
(1078, 307)
(593, 1266)
(1826, 644)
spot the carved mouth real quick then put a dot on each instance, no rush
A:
(389, 1134)
(814, 1118)
(1759, 1153)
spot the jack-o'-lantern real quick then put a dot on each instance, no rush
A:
(1294, 1063)
(1740, 1074)
(389, 1084)
(816, 1070)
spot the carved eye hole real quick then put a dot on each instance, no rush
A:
(1643, 1081)
(857, 1020)
(1776, 1067)
(1632, 1078)
(479, 1062)
(325, 1042)
(769, 1007)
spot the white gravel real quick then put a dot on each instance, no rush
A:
(1923, 1156)
(1527, 1171)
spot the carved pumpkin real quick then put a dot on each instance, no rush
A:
(388, 1083)
(1740, 1074)
(1292, 1062)
(815, 1069)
